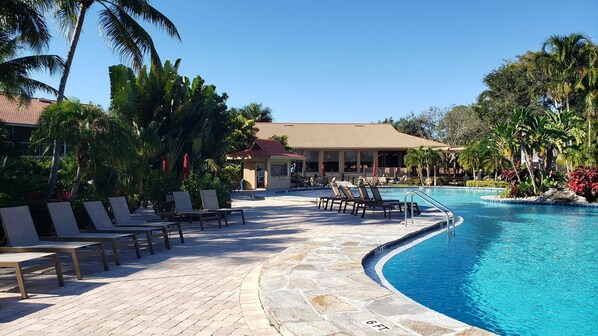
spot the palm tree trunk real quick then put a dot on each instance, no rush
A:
(76, 182)
(63, 79)
(531, 171)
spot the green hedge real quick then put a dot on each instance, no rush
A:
(486, 184)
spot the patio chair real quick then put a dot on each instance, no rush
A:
(66, 228)
(358, 202)
(123, 217)
(336, 196)
(372, 202)
(22, 237)
(184, 208)
(17, 260)
(389, 202)
(102, 223)
(209, 201)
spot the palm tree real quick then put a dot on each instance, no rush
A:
(571, 61)
(257, 112)
(24, 19)
(94, 136)
(415, 159)
(431, 159)
(23, 28)
(118, 24)
(503, 138)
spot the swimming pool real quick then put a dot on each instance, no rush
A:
(511, 269)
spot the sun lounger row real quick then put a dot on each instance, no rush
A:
(25, 246)
(342, 195)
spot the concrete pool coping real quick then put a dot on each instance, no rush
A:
(320, 287)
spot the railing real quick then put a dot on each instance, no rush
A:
(450, 216)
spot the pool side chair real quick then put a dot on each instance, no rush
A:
(350, 198)
(22, 237)
(102, 223)
(66, 228)
(184, 208)
(387, 204)
(372, 202)
(335, 196)
(18, 260)
(122, 217)
(209, 201)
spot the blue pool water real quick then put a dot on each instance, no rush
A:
(511, 269)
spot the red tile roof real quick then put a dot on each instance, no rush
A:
(265, 148)
(12, 113)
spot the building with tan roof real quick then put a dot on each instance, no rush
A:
(346, 150)
(21, 119)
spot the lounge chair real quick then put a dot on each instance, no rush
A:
(17, 260)
(66, 228)
(123, 217)
(399, 203)
(348, 197)
(372, 202)
(209, 201)
(22, 237)
(102, 223)
(184, 208)
(336, 196)
(387, 204)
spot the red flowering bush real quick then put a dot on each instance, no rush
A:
(584, 182)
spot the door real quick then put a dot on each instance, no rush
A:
(260, 176)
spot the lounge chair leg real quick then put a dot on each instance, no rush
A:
(180, 232)
(76, 265)
(243, 216)
(200, 223)
(21, 281)
(58, 270)
(166, 241)
(150, 244)
(136, 245)
(225, 219)
(103, 256)
(115, 251)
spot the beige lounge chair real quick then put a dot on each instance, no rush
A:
(123, 217)
(209, 201)
(336, 196)
(22, 237)
(102, 223)
(184, 208)
(66, 228)
(17, 260)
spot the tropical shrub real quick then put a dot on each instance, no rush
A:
(584, 182)
(207, 181)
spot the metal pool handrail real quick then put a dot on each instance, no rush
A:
(450, 216)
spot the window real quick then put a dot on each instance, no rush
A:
(350, 161)
(279, 169)
(311, 164)
(366, 161)
(331, 161)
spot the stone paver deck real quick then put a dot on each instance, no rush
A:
(209, 285)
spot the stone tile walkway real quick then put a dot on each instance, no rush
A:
(207, 286)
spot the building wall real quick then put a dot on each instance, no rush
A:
(278, 182)
(249, 174)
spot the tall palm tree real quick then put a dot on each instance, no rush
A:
(15, 70)
(118, 24)
(572, 63)
(23, 28)
(24, 18)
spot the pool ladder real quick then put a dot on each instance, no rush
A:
(450, 216)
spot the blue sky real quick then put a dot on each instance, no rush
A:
(335, 60)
